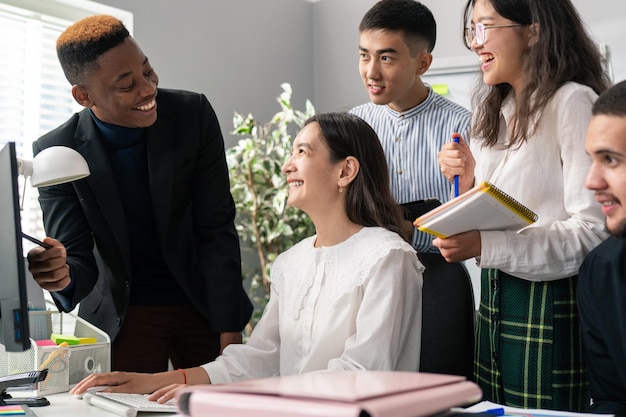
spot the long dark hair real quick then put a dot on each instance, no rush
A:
(563, 52)
(369, 199)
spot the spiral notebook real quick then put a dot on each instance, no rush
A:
(484, 207)
(332, 393)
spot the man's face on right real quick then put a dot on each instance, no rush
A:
(606, 144)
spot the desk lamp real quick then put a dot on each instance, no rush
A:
(52, 166)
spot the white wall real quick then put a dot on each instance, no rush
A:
(606, 21)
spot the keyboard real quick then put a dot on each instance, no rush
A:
(128, 404)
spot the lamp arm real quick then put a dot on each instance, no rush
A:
(25, 169)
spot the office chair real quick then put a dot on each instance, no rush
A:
(448, 316)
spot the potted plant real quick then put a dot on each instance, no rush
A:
(266, 224)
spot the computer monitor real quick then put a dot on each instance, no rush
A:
(14, 333)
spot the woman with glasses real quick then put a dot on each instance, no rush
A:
(541, 73)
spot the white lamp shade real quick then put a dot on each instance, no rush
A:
(57, 165)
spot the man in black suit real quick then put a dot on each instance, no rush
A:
(147, 242)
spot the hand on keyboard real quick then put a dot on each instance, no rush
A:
(91, 390)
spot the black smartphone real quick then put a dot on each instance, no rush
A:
(415, 209)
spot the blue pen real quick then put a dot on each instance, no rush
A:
(456, 138)
(495, 411)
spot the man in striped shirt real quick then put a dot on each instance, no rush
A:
(411, 120)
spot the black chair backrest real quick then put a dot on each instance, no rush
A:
(448, 316)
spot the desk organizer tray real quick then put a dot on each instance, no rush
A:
(66, 365)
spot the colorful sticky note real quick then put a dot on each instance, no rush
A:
(60, 338)
(45, 342)
(441, 89)
(11, 410)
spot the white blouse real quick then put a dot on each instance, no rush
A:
(546, 174)
(353, 306)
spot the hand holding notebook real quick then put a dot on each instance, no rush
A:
(484, 207)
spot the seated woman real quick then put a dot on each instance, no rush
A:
(347, 298)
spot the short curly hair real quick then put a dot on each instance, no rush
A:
(612, 102)
(81, 44)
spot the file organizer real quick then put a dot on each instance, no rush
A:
(69, 364)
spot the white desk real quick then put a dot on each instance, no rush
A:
(66, 405)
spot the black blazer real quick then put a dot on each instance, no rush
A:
(193, 208)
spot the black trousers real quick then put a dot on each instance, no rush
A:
(152, 336)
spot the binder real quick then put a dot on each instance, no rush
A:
(484, 207)
(332, 393)
(415, 209)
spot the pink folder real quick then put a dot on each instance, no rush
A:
(334, 394)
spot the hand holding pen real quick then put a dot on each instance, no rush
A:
(48, 265)
(457, 164)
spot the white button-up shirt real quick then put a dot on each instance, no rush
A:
(546, 174)
(353, 306)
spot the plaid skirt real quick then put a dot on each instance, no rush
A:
(528, 346)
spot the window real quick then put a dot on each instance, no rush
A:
(34, 94)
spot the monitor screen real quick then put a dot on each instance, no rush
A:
(14, 334)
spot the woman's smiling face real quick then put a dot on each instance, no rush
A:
(501, 53)
(312, 177)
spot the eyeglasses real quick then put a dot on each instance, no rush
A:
(479, 33)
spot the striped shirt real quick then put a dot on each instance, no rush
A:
(411, 141)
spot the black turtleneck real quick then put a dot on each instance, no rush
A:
(151, 280)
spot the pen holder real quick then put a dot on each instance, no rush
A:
(67, 365)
